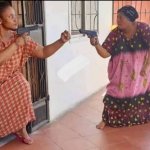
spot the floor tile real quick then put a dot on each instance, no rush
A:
(77, 144)
(60, 133)
(76, 130)
(79, 124)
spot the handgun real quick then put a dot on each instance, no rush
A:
(22, 30)
(89, 33)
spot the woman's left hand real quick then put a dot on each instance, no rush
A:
(65, 36)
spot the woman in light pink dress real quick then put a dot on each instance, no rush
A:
(127, 100)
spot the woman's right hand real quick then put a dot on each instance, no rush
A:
(94, 40)
(22, 39)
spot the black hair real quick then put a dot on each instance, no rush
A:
(3, 6)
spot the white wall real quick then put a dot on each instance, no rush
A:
(65, 94)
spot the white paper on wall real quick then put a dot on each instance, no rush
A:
(72, 68)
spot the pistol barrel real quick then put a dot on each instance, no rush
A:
(89, 33)
(22, 30)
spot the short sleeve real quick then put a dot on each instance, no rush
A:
(110, 41)
(30, 47)
(145, 32)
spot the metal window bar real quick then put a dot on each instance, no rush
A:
(92, 14)
(79, 16)
(33, 12)
(76, 16)
(35, 68)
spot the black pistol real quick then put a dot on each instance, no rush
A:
(22, 30)
(89, 33)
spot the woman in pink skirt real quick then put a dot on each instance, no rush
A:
(15, 97)
(127, 100)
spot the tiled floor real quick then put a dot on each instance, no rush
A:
(76, 131)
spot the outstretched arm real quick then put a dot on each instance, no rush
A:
(100, 50)
(46, 51)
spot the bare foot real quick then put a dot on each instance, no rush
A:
(101, 125)
(24, 137)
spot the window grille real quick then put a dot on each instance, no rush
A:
(84, 15)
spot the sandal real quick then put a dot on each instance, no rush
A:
(27, 140)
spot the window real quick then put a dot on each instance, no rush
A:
(33, 12)
(84, 15)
